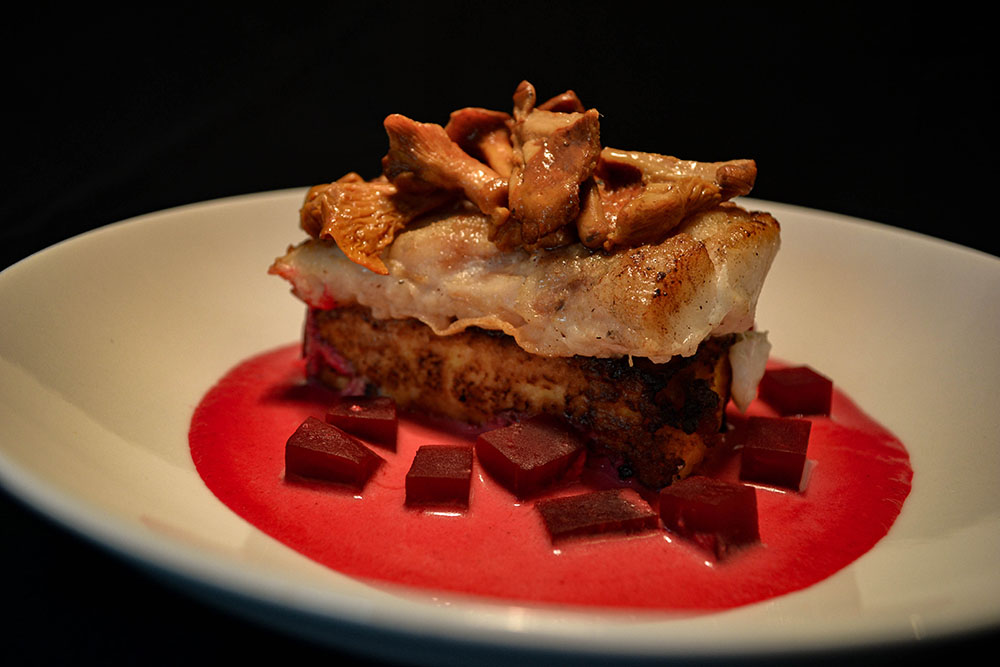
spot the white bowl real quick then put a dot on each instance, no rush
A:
(110, 339)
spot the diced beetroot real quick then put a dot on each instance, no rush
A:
(440, 475)
(798, 390)
(527, 456)
(317, 450)
(596, 513)
(774, 450)
(371, 418)
(718, 516)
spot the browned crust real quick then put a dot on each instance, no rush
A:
(656, 420)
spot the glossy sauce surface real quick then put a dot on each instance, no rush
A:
(859, 476)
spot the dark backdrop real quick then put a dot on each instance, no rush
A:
(869, 112)
(872, 113)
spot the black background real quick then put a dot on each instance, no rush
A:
(871, 112)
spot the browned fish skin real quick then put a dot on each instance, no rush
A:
(657, 420)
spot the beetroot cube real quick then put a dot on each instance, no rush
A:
(321, 451)
(797, 391)
(371, 418)
(718, 516)
(774, 450)
(527, 456)
(596, 513)
(440, 475)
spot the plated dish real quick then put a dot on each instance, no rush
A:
(118, 334)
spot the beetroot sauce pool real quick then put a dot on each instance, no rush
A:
(859, 476)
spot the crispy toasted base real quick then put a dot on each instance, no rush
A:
(655, 420)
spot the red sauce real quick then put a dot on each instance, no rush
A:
(860, 477)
